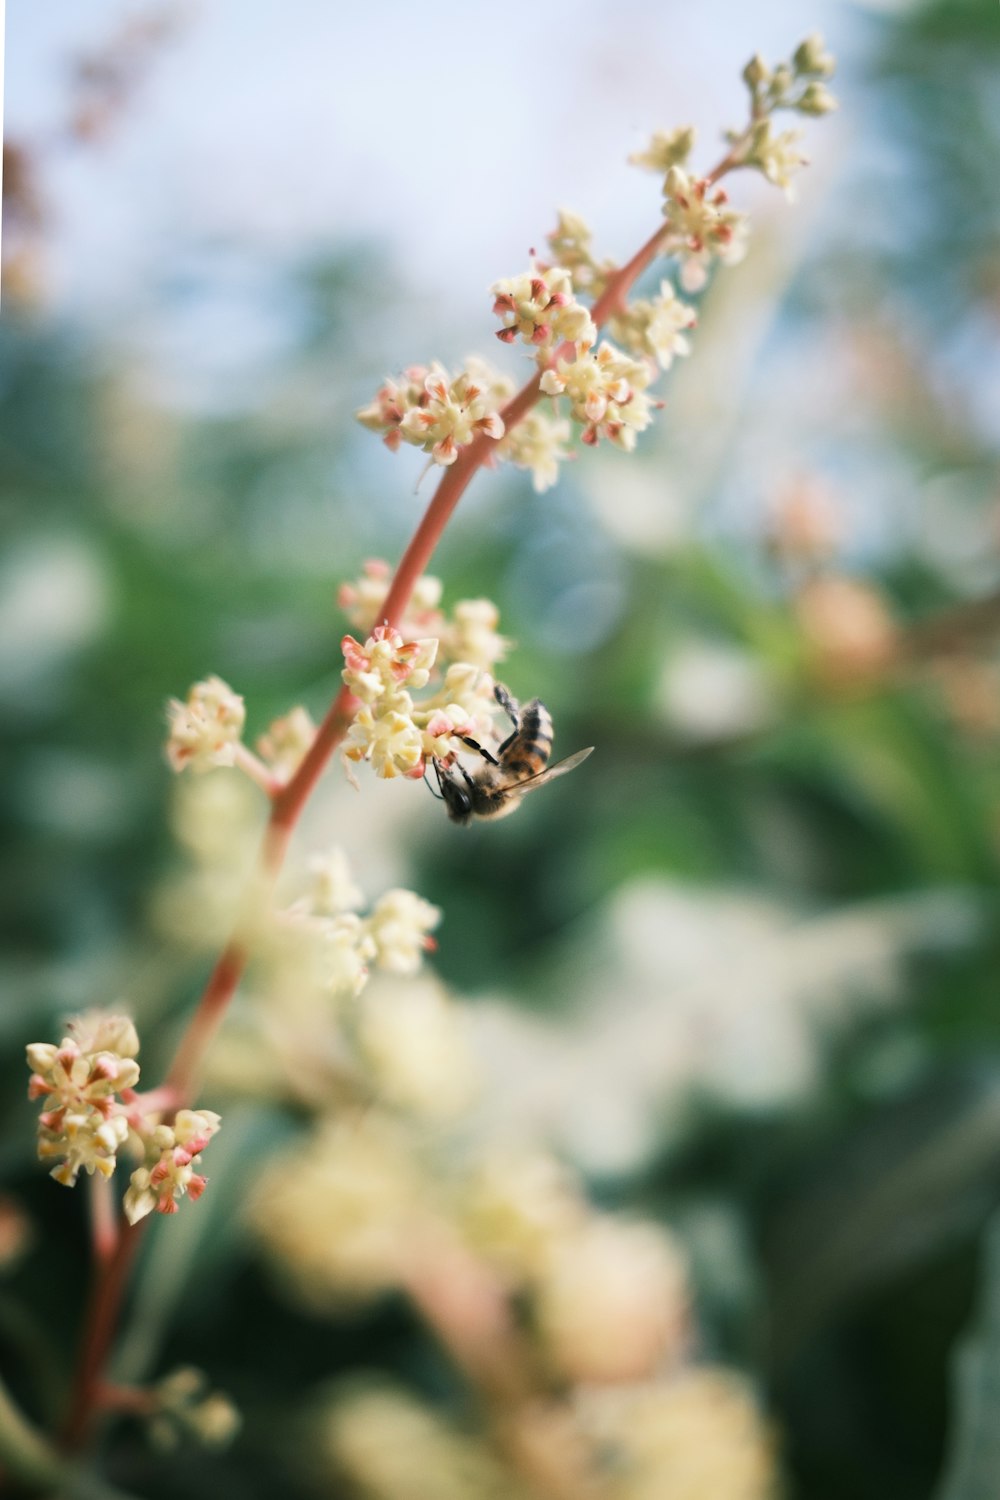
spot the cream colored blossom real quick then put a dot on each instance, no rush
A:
(472, 638)
(539, 307)
(439, 414)
(392, 402)
(412, 1043)
(386, 663)
(347, 951)
(287, 741)
(338, 1214)
(606, 391)
(694, 1436)
(666, 149)
(703, 228)
(187, 1408)
(400, 926)
(455, 412)
(174, 1152)
(570, 244)
(390, 1446)
(537, 443)
(82, 1125)
(612, 1303)
(206, 730)
(363, 599)
(516, 1207)
(392, 742)
(333, 889)
(656, 327)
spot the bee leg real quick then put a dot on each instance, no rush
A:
(475, 745)
(509, 705)
(438, 795)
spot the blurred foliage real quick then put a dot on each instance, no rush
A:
(835, 1227)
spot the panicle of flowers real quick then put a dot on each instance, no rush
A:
(435, 412)
(539, 308)
(81, 1080)
(606, 392)
(206, 730)
(173, 1157)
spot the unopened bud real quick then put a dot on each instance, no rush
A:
(756, 73)
(812, 59)
(816, 100)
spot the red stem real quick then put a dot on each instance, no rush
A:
(286, 808)
(101, 1320)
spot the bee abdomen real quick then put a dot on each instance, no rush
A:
(528, 752)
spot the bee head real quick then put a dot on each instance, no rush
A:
(456, 798)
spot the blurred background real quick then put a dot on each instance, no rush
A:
(740, 971)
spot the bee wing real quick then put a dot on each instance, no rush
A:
(559, 769)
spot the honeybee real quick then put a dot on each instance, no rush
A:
(519, 765)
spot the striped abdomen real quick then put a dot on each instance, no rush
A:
(527, 751)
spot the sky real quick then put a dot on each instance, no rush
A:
(445, 133)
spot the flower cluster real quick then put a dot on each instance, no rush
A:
(702, 227)
(434, 412)
(362, 601)
(207, 731)
(539, 308)
(395, 733)
(542, 308)
(88, 1082)
(394, 936)
(606, 391)
(798, 85)
(183, 1406)
(570, 243)
(84, 1124)
(173, 1156)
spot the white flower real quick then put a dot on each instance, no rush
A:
(472, 639)
(667, 148)
(390, 740)
(173, 1174)
(82, 1125)
(670, 317)
(287, 741)
(363, 599)
(612, 1302)
(338, 1214)
(399, 926)
(702, 224)
(537, 443)
(540, 308)
(412, 1041)
(205, 731)
(385, 663)
(346, 953)
(606, 392)
(333, 889)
